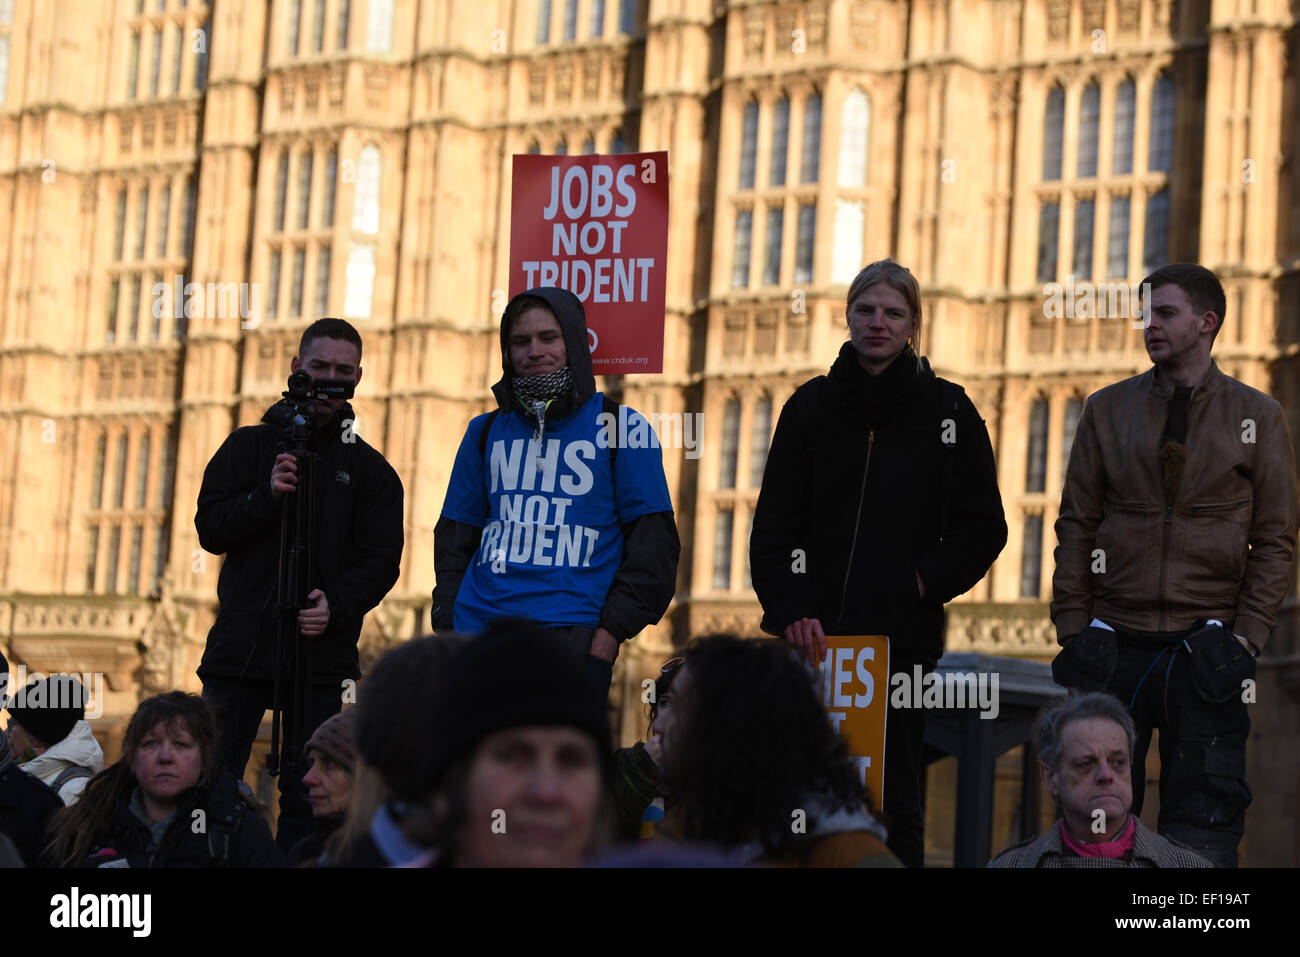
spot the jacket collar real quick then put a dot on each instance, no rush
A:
(1146, 846)
(1212, 382)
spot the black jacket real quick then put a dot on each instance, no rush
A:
(646, 579)
(231, 834)
(26, 806)
(357, 547)
(861, 491)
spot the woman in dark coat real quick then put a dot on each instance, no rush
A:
(164, 804)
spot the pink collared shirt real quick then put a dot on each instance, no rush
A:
(1117, 848)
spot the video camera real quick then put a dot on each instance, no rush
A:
(298, 407)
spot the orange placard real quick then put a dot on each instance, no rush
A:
(853, 683)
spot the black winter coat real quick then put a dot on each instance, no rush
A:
(861, 492)
(26, 806)
(357, 547)
(232, 833)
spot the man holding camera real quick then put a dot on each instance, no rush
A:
(1177, 533)
(356, 537)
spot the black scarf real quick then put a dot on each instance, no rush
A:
(881, 397)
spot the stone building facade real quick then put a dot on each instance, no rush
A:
(299, 158)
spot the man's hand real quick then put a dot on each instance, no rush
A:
(920, 585)
(314, 619)
(807, 637)
(284, 477)
(654, 746)
(604, 645)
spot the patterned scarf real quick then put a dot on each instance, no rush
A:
(536, 393)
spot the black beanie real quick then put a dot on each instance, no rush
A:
(515, 675)
(48, 708)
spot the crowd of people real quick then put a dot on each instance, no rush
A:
(488, 743)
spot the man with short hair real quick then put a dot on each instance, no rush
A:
(879, 505)
(1177, 534)
(1085, 755)
(557, 509)
(357, 536)
(50, 737)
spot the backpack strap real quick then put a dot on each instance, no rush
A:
(70, 774)
(483, 436)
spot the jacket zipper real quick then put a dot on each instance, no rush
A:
(1164, 568)
(857, 524)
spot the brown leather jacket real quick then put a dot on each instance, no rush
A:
(1128, 558)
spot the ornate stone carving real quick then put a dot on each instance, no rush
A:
(1129, 12)
(864, 25)
(564, 81)
(1058, 19)
(536, 84)
(591, 79)
(784, 22)
(755, 31)
(334, 84)
(1094, 15)
(814, 19)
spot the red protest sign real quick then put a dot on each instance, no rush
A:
(597, 226)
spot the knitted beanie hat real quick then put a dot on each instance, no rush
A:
(515, 675)
(48, 708)
(336, 738)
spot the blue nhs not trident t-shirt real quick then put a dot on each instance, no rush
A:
(550, 516)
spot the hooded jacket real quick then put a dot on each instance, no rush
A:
(869, 481)
(78, 750)
(234, 835)
(645, 579)
(356, 547)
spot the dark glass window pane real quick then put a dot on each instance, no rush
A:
(1117, 254)
(772, 256)
(730, 444)
(1036, 461)
(1032, 557)
(1125, 111)
(1089, 121)
(1053, 133)
(748, 145)
(812, 139)
(1049, 220)
(1083, 224)
(722, 550)
(780, 140)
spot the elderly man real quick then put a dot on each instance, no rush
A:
(1085, 753)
